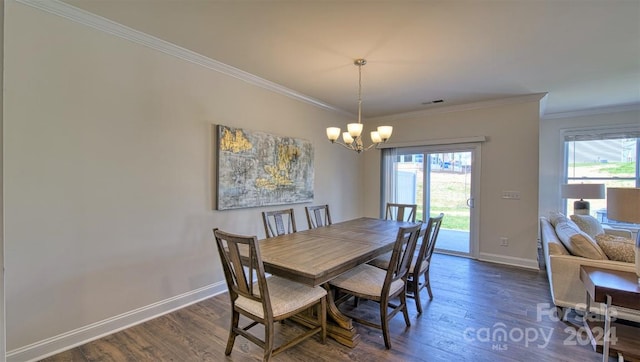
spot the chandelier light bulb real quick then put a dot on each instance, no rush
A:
(375, 137)
(333, 133)
(385, 132)
(346, 138)
(355, 129)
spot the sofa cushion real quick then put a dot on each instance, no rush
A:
(588, 224)
(550, 242)
(577, 241)
(555, 217)
(617, 247)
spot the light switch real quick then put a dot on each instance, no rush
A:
(511, 195)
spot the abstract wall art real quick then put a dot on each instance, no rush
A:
(260, 169)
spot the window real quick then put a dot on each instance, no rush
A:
(602, 156)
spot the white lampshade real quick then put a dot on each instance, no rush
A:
(582, 191)
(385, 132)
(623, 204)
(375, 137)
(346, 138)
(354, 129)
(333, 133)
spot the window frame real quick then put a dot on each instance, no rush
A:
(590, 134)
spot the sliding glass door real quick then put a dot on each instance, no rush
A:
(437, 179)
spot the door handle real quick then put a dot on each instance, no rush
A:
(470, 203)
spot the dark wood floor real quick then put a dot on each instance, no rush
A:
(473, 302)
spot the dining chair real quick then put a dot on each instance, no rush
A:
(266, 300)
(422, 262)
(318, 216)
(279, 222)
(369, 282)
(401, 212)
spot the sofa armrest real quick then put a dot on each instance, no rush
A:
(568, 290)
(617, 232)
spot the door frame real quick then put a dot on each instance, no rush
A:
(476, 151)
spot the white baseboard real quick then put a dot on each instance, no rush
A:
(509, 260)
(67, 340)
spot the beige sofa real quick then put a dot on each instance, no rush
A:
(563, 271)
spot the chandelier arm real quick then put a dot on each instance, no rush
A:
(355, 148)
(370, 146)
(349, 147)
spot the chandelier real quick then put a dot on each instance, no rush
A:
(351, 139)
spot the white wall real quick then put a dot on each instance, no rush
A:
(509, 162)
(552, 147)
(108, 172)
(2, 294)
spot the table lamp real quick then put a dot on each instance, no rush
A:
(623, 204)
(582, 191)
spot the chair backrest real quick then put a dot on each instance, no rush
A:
(240, 275)
(402, 255)
(318, 216)
(279, 222)
(401, 212)
(428, 243)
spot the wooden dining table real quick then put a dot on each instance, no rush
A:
(316, 256)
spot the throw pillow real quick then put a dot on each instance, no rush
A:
(588, 224)
(555, 217)
(617, 247)
(578, 242)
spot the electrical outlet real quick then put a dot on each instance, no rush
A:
(504, 241)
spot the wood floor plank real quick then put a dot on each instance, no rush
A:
(473, 301)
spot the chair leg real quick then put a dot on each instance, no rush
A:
(385, 323)
(235, 319)
(268, 341)
(415, 284)
(428, 284)
(405, 311)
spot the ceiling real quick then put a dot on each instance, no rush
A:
(584, 53)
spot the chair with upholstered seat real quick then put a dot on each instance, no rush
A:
(369, 282)
(318, 216)
(279, 222)
(267, 300)
(422, 262)
(401, 212)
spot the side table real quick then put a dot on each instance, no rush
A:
(612, 288)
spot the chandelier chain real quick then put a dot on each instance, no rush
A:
(359, 92)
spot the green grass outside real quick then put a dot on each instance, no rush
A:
(449, 192)
(626, 169)
(452, 222)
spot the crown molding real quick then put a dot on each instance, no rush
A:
(105, 25)
(534, 97)
(593, 111)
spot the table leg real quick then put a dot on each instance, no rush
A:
(586, 311)
(339, 326)
(607, 331)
